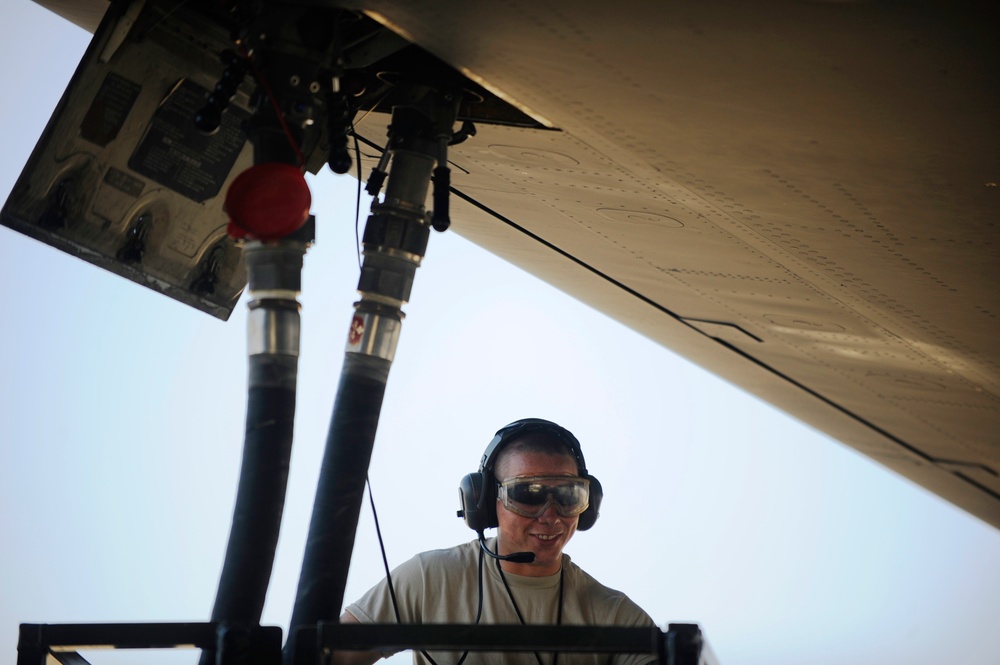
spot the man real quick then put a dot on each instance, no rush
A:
(533, 485)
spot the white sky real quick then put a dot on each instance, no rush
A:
(121, 421)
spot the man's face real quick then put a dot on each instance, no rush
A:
(545, 535)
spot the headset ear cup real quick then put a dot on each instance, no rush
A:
(477, 508)
(593, 511)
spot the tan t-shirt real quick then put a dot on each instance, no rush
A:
(442, 586)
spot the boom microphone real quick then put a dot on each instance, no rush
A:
(516, 557)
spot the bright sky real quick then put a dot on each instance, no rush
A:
(121, 421)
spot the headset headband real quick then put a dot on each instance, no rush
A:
(521, 428)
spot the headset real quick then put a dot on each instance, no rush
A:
(478, 491)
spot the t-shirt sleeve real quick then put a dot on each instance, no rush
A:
(630, 615)
(588, 602)
(376, 606)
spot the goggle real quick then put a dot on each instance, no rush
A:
(530, 496)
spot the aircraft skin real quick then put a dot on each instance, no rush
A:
(800, 197)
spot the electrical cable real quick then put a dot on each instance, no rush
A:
(357, 217)
(517, 610)
(388, 574)
(381, 547)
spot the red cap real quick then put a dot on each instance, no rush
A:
(267, 202)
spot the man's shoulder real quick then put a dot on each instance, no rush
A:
(436, 565)
(448, 557)
(585, 580)
(611, 601)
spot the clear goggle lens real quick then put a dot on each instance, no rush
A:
(530, 496)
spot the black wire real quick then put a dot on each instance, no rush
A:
(510, 594)
(479, 611)
(388, 575)
(357, 209)
(381, 546)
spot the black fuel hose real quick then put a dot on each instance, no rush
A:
(395, 241)
(274, 271)
(260, 497)
(340, 491)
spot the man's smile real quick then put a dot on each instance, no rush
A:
(546, 536)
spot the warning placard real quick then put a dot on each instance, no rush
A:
(175, 154)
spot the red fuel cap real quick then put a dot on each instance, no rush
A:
(267, 202)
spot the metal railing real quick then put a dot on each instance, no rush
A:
(680, 644)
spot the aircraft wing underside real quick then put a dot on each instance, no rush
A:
(801, 197)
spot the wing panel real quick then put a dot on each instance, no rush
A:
(806, 192)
